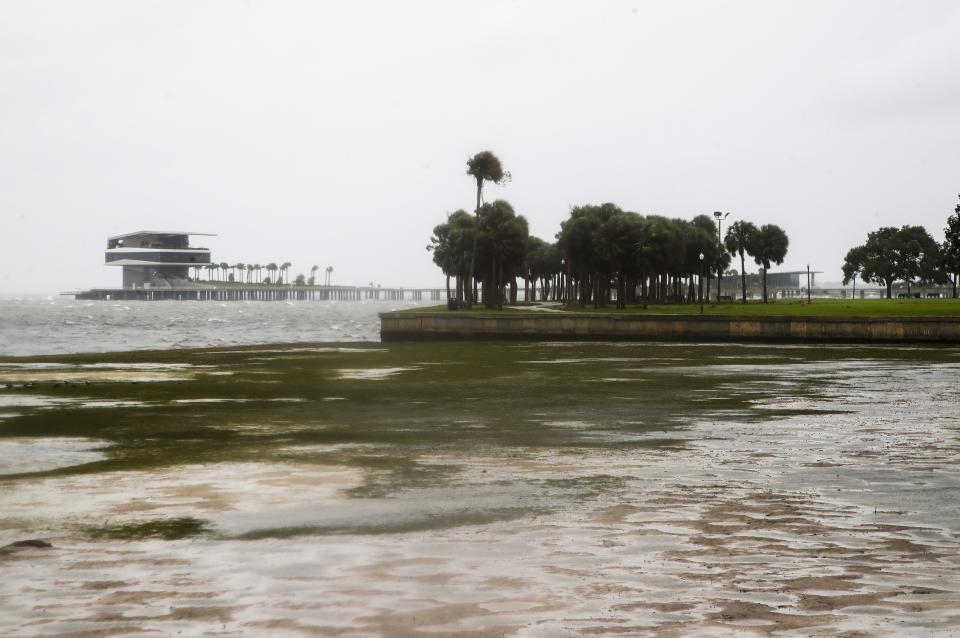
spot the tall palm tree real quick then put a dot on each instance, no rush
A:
(283, 270)
(329, 274)
(250, 268)
(737, 241)
(313, 274)
(272, 272)
(483, 167)
(768, 245)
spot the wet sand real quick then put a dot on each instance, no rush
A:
(820, 501)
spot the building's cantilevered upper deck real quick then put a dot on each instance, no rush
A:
(155, 248)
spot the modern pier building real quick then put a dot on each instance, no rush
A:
(156, 259)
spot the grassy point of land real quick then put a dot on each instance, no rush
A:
(819, 307)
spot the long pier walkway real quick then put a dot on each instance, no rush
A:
(263, 293)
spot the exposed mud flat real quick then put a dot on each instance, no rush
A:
(813, 498)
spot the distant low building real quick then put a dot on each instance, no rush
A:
(155, 259)
(788, 280)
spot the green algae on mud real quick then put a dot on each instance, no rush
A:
(486, 489)
(168, 529)
(389, 411)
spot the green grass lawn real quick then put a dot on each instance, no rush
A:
(794, 307)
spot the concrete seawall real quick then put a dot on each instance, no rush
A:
(408, 326)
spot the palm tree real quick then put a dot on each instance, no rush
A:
(484, 167)
(768, 245)
(272, 268)
(283, 270)
(450, 245)
(737, 241)
(505, 238)
(313, 274)
(329, 274)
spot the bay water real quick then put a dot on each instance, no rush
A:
(35, 325)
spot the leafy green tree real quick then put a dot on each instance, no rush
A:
(853, 266)
(921, 259)
(951, 247)
(768, 246)
(894, 254)
(737, 242)
(300, 280)
(483, 167)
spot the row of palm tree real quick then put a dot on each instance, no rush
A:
(599, 249)
(253, 273)
(665, 259)
(489, 248)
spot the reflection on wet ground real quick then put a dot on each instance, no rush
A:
(624, 489)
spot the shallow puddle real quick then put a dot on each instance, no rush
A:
(21, 455)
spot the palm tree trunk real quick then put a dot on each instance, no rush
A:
(473, 251)
(764, 284)
(743, 278)
(500, 284)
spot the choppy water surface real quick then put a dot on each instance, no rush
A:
(483, 490)
(53, 325)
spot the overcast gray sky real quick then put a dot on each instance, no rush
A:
(336, 133)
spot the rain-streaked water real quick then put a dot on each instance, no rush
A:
(56, 325)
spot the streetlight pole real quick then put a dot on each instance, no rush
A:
(701, 283)
(720, 217)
